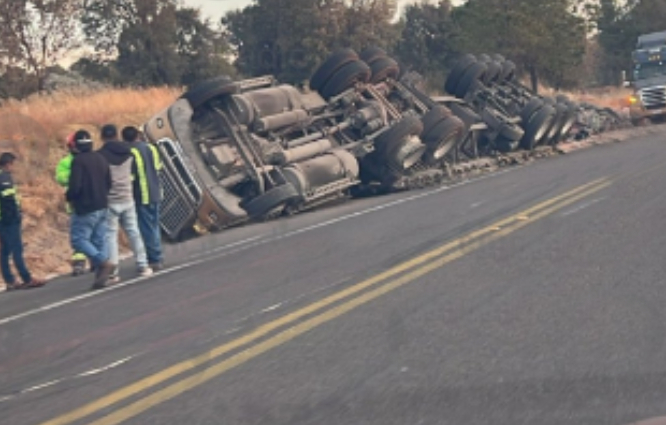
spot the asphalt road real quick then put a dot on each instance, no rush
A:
(533, 296)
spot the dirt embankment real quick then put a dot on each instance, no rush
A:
(36, 129)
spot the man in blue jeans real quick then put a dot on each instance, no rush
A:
(87, 192)
(10, 229)
(122, 209)
(147, 193)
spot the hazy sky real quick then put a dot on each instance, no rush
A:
(217, 8)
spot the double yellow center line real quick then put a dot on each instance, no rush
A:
(292, 325)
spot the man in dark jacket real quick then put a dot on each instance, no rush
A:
(147, 193)
(87, 192)
(10, 228)
(122, 209)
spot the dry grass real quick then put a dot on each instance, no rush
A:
(611, 97)
(36, 130)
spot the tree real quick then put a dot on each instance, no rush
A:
(429, 39)
(368, 23)
(153, 42)
(543, 37)
(289, 38)
(201, 49)
(37, 34)
(279, 37)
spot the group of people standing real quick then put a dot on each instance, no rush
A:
(115, 186)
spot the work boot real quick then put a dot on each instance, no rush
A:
(102, 275)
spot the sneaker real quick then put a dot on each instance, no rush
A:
(157, 266)
(114, 277)
(145, 272)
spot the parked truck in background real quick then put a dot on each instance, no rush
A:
(648, 102)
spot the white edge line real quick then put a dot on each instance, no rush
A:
(244, 245)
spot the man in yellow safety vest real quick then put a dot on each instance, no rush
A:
(63, 170)
(147, 193)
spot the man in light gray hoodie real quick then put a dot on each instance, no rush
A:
(122, 209)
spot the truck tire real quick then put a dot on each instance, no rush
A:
(476, 72)
(530, 109)
(345, 78)
(334, 62)
(271, 199)
(434, 116)
(508, 72)
(457, 72)
(371, 54)
(505, 129)
(558, 124)
(537, 127)
(206, 90)
(391, 138)
(384, 68)
(442, 138)
(497, 57)
(465, 113)
(494, 72)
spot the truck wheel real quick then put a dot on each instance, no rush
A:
(384, 68)
(442, 138)
(537, 127)
(558, 123)
(508, 71)
(270, 200)
(345, 78)
(331, 66)
(457, 72)
(494, 72)
(404, 156)
(434, 116)
(204, 91)
(499, 124)
(530, 108)
(372, 53)
(497, 57)
(393, 137)
(476, 72)
(465, 113)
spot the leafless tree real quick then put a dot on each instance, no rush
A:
(38, 34)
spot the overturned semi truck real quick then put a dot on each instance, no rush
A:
(255, 149)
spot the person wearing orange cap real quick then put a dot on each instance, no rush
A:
(62, 173)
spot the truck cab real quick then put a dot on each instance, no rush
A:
(648, 102)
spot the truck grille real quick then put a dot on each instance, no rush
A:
(176, 211)
(181, 194)
(654, 97)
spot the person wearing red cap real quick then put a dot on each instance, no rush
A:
(62, 173)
